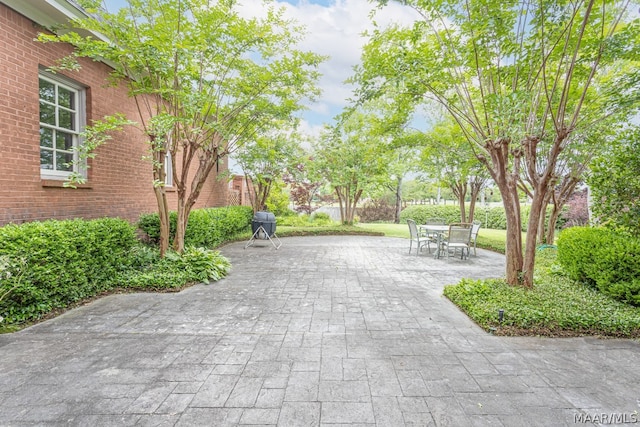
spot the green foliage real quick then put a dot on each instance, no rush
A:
(64, 262)
(556, 306)
(207, 227)
(493, 218)
(603, 258)
(615, 184)
(278, 200)
(321, 218)
(224, 78)
(353, 157)
(150, 272)
(318, 219)
(48, 266)
(420, 213)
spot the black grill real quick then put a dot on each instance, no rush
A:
(267, 221)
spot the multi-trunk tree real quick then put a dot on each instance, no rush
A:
(446, 155)
(205, 80)
(520, 79)
(266, 160)
(353, 158)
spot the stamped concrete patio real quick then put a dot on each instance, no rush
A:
(325, 331)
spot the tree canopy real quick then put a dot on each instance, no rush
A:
(520, 79)
(205, 80)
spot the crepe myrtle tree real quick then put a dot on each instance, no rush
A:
(352, 158)
(519, 78)
(204, 77)
(447, 156)
(266, 160)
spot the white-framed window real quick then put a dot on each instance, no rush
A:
(62, 118)
(168, 170)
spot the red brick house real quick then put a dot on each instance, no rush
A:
(41, 115)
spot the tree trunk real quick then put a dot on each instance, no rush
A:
(354, 204)
(163, 215)
(159, 176)
(475, 186)
(181, 225)
(537, 211)
(540, 238)
(396, 216)
(553, 220)
(459, 189)
(513, 250)
(186, 202)
(507, 182)
(340, 202)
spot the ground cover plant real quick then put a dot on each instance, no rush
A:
(555, 306)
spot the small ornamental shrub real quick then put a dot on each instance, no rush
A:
(376, 210)
(206, 228)
(150, 272)
(603, 258)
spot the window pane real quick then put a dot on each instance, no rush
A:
(66, 119)
(47, 114)
(46, 159)
(66, 98)
(63, 161)
(47, 91)
(64, 141)
(46, 137)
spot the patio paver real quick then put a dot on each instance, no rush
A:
(325, 331)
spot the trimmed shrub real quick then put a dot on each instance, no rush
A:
(603, 258)
(493, 218)
(207, 227)
(62, 262)
(420, 213)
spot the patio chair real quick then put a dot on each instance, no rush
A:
(459, 237)
(475, 228)
(417, 237)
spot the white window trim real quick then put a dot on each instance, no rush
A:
(168, 170)
(81, 114)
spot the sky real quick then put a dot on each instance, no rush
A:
(334, 29)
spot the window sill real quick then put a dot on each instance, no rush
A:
(55, 183)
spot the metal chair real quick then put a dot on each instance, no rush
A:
(474, 234)
(415, 235)
(459, 237)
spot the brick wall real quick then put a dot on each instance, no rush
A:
(120, 181)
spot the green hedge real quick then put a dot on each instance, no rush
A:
(207, 227)
(62, 262)
(493, 218)
(603, 258)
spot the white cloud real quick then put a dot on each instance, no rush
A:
(336, 31)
